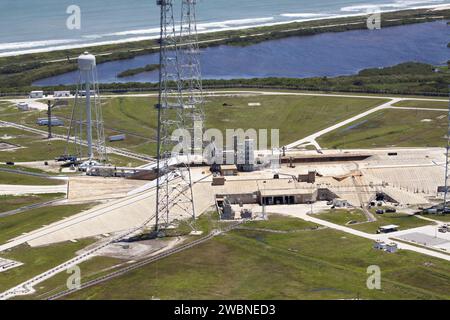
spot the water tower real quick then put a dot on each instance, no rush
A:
(86, 127)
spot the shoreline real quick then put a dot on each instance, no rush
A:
(136, 39)
(22, 71)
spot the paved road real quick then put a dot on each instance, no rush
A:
(228, 93)
(374, 237)
(314, 136)
(109, 150)
(421, 109)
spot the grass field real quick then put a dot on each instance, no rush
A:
(15, 225)
(23, 179)
(98, 266)
(88, 269)
(37, 148)
(341, 217)
(137, 117)
(37, 260)
(14, 202)
(295, 116)
(422, 104)
(309, 264)
(388, 128)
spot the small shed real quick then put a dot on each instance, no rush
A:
(228, 170)
(36, 94)
(380, 245)
(391, 247)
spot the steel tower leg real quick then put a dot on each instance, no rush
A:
(447, 161)
(174, 197)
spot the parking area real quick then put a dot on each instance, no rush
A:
(428, 236)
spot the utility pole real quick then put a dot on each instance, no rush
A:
(49, 115)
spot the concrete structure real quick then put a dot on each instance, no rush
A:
(310, 177)
(340, 203)
(228, 170)
(23, 106)
(61, 94)
(6, 264)
(380, 245)
(377, 173)
(36, 94)
(391, 247)
(246, 155)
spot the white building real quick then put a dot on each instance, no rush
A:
(61, 94)
(36, 94)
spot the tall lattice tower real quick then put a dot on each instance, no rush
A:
(179, 106)
(190, 74)
(447, 162)
(86, 126)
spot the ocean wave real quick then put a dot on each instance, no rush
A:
(133, 32)
(19, 48)
(200, 26)
(306, 15)
(398, 4)
(34, 44)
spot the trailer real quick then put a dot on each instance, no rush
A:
(119, 137)
(55, 122)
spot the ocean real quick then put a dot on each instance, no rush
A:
(37, 26)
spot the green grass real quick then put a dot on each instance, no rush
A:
(281, 223)
(38, 148)
(89, 269)
(137, 118)
(100, 265)
(14, 202)
(135, 71)
(15, 225)
(404, 221)
(23, 179)
(37, 260)
(387, 128)
(341, 217)
(34, 148)
(422, 104)
(319, 264)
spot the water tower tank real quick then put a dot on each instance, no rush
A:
(86, 62)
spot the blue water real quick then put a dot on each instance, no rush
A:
(33, 26)
(328, 54)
